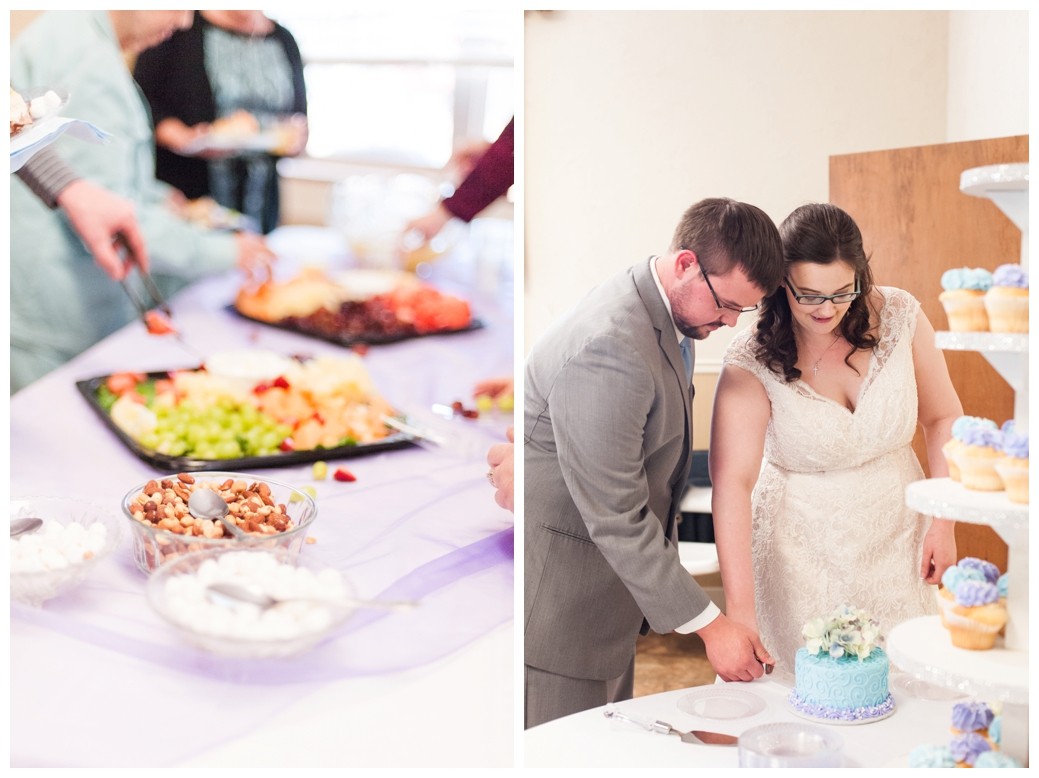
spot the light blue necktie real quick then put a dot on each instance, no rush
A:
(687, 358)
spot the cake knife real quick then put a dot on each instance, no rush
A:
(697, 736)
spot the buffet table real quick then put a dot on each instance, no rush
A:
(97, 679)
(589, 739)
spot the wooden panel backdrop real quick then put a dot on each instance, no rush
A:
(916, 224)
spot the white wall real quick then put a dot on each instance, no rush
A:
(988, 74)
(630, 117)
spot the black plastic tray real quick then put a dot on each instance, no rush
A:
(88, 388)
(373, 339)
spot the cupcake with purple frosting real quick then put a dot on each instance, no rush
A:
(964, 298)
(965, 749)
(973, 717)
(976, 460)
(977, 617)
(1012, 466)
(959, 427)
(1006, 301)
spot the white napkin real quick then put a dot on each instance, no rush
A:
(44, 132)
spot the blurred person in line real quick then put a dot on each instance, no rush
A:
(63, 301)
(489, 178)
(103, 221)
(225, 63)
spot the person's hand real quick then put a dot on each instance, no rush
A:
(254, 256)
(465, 157)
(293, 134)
(500, 475)
(939, 550)
(175, 135)
(429, 225)
(734, 650)
(494, 387)
(104, 222)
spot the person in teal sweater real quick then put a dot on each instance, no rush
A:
(62, 301)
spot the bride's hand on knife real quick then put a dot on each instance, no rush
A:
(939, 550)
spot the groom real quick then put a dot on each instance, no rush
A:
(607, 440)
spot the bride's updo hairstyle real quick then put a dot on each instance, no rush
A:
(819, 233)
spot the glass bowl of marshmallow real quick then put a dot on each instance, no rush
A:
(311, 600)
(74, 537)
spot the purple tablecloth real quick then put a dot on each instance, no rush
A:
(417, 523)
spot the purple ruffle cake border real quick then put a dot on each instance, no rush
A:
(817, 711)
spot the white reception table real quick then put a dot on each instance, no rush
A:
(98, 680)
(589, 739)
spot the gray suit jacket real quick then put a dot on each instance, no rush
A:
(607, 438)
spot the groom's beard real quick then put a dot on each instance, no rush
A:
(697, 331)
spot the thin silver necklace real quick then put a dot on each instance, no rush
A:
(815, 367)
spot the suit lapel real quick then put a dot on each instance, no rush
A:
(672, 354)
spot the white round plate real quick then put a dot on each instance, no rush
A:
(721, 702)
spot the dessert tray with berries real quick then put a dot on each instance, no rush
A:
(356, 307)
(248, 409)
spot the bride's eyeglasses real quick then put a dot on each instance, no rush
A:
(819, 299)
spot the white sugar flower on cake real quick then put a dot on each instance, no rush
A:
(845, 632)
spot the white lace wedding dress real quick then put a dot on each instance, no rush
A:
(830, 525)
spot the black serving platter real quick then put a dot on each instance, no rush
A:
(182, 464)
(368, 339)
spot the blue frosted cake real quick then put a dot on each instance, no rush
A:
(841, 675)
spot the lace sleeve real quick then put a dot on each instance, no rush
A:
(741, 353)
(897, 319)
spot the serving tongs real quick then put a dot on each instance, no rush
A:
(697, 736)
(158, 303)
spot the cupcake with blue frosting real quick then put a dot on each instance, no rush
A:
(931, 756)
(976, 459)
(995, 759)
(955, 444)
(967, 748)
(964, 298)
(1006, 301)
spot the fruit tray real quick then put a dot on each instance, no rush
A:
(89, 389)
(354, 339)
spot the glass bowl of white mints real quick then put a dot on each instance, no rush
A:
(74, 537)
(311, 600)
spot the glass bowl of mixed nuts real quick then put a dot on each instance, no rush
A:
(268, 514)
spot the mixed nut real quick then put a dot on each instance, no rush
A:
(163, 505)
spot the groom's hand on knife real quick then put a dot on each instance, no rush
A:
(734, 650)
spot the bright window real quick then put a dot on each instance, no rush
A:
(402, 88)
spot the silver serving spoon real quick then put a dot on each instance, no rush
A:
(223, 593)
(207, 504)
(25, 526)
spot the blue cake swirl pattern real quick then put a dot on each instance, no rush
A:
(844, 689)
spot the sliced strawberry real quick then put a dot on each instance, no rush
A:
(158, 323)
(343, 475)
(281, 382)
(287, 445)
(121, 383)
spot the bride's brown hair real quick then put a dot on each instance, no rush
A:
(820, 233)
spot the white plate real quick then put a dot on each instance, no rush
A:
(721, 702)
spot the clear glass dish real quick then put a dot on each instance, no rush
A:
(243, 630)
(153, 547)
(36, 587)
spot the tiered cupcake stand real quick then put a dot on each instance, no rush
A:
(922, 647)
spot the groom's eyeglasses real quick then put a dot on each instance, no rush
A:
(718, 302)
(819, 299)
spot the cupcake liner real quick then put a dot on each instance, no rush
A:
(1015, 479)
(1007, 309)
(978, 471)
(965, 310)
(969, 632)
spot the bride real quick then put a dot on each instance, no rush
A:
(811, 438)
